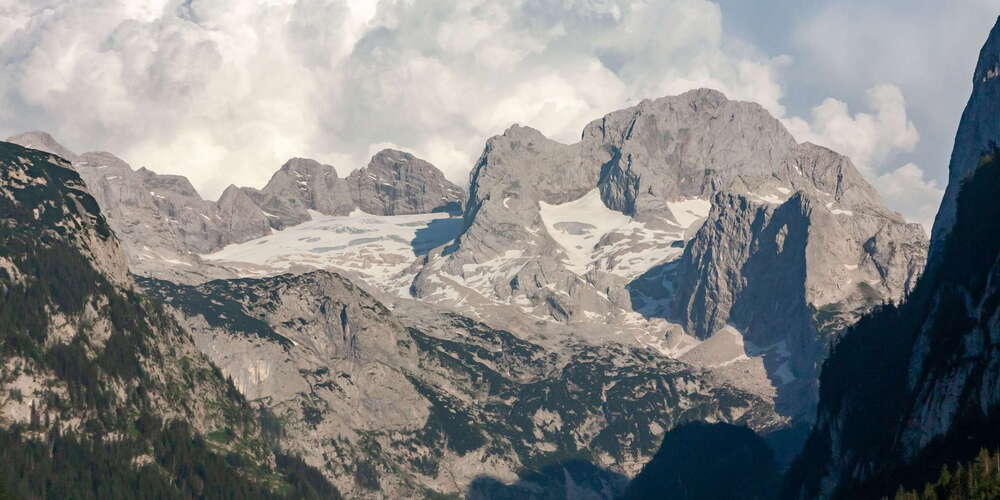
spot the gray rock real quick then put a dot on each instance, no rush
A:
(398, 183)
(977, 134)
(788, 277)
(301, 185)
(195, 221)
(241, 218)
(418, 398)
(45, 206)
(794, 229)
(42, 141)
(687, 146)
(162, 221)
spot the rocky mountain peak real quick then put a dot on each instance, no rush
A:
(309, 167)
(43, 141)
(685, 146)
(174, 183)
(523, 133)
(102, 160)
(677, 209)
(398, 183)
(300, 185)
(46, 201)
(977, 132)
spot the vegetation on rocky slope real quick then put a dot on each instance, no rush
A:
(975, 480)
(874, 380)
(102, 394)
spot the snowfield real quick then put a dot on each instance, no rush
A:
(596, 237)
(378, 247)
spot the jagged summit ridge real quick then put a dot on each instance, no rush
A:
(610, 230)
(397, 183)
(301, 185)
(613, 228)
(43, 141)
(165, 225)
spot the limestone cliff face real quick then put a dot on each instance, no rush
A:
(301, 185)
(162, 221)
(977, 132)
(240, 217)
(82, 349)
(398, 183)
(688, 146)
(788, 276)
(693, 209)
(915, 386)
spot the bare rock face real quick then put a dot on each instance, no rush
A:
(68, 300)
(162, 221)
(505, 254)
(977, 132)
(693, 211)
(682, 147)
(195, 221)
(396, 403)
(788, 277)
(241, 218)
(916, 386)
(42, 141)
(398, 183)
(301, 185)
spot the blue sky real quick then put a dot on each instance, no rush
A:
(225, 91)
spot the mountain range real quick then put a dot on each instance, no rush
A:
(581, 315)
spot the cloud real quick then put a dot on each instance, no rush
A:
(226, 91)
(873, 140)
(844, 48)
(867, 138)
(218, 90)
(906, 189)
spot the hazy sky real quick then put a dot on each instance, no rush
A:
(225, 91)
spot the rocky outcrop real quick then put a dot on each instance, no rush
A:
(688, 146)
(88, 359)
(504, 248)
(398, 403)
(398, 183)
(240, 217)
(814, 262)
(914, 387)
(42, 141)
(301, 185)
(161, 220)
(695, 211)
(977, 132)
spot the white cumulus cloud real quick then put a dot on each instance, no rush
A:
(872, 139)
(908, 190)
(867, 138)
(224, 91)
